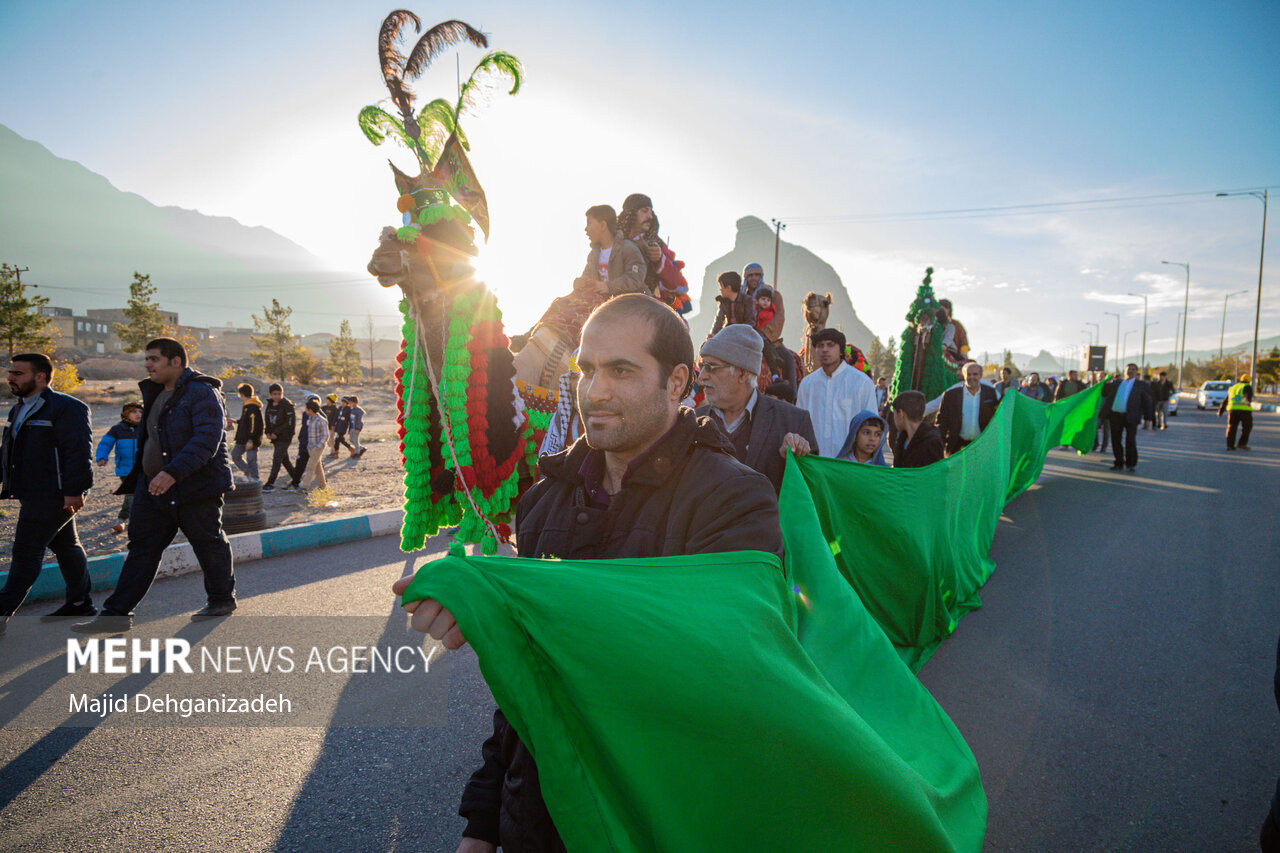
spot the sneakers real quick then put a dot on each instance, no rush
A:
(118, 528)
(270, 488)
(69, 611)
(213, 610)
(362, 450)
(105, 623)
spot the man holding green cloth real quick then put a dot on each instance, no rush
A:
(648, 479)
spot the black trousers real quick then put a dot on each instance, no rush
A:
(156, 520)
(280, 456)
(1124, 439)
(1239, 418)
(300, 467)
(44, 524)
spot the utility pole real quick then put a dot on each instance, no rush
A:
(1144, 328)
(1098, 330)
(1116, 354)
(778, 226)
(1186, 303)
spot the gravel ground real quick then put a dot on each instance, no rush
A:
(372, 482)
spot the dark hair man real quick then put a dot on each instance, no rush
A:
(834, 394)
(1126, 402)
(1162, 391)
(1070, 385)
(734, 306)
(614, 265)
(1006, 382)
(760, 428)
(648, 479)
(178, 480)
(918, 444)
(664, 278)
(45, 464)
(244, 454)
(1238, 406)
(966, 409)
(278, 425)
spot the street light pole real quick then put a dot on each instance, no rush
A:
(1116, 355)
(1126, 345)
(1144, 328)
(778, 226)
(1186, 301)
(1098, 330)
(1257, 313)
(1223, 334)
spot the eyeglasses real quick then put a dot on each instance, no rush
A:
(710, 369)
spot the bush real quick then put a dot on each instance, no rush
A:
(65, 377)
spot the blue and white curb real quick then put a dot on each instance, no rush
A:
(245, 548)
(1264, 407)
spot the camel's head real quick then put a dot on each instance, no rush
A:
(817, 308)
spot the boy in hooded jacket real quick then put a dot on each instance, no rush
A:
(249, 428)
(123, 439)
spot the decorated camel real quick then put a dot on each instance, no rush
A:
(816, 311)
(922, 366)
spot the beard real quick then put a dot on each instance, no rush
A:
(638, 428)
(22, 389)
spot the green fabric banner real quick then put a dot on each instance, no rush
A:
(724, 702)
(914, 543)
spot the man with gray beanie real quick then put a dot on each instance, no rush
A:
(760, 427)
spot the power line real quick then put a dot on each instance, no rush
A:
(1101, 203)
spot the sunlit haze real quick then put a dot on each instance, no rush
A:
(832, 117)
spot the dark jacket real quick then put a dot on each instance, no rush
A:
(51, 454)
(1140, 406)
(302, 433)
(740, 310)
(951, 413)
(1067, 387)
(771, 420)
(123, 437)
(249, 427)
(330, 412)
(191, 436)
(342, 422)
(925, 448)
(278, 420)
(687, 495)
(357, 419)
(1162, 390)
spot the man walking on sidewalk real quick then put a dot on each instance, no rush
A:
(45, 464)
(181, 475)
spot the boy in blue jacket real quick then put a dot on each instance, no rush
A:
(123, 437)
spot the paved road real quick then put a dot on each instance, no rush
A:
(1115, 688)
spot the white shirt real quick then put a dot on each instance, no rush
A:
(832, 401)
(936, 403)
(969, 429)
(602, 264)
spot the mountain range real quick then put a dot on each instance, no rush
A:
(82, 239)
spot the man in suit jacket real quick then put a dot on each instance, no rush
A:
(1126, 402)
(760, 427)
(46, 465)
(966, 409)
(918, 444)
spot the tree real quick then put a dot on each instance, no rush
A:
(875, 356)
(189, 342)
(143, 320)
(22, 326)
(344, 359)
(1007, 361)
(370, 341)
(302, 365)
(65, 377)
(890, 363)
(274, 340)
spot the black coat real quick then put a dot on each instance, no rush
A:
(193, 443)
(52, 454)
(1141, 405)
(772, 420)
(278, 419)
(687, 496)
(249, 426)
(951, 414)
(925, 447)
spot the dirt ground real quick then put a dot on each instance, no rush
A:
(369, 483)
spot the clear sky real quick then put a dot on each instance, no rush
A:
(830, 116)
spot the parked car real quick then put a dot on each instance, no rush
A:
(1173, 405)
(1211, 394)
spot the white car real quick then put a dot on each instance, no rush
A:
(1173, 405)
(1211, 394)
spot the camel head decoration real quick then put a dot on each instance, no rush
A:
(816, 310)
(467, 440)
